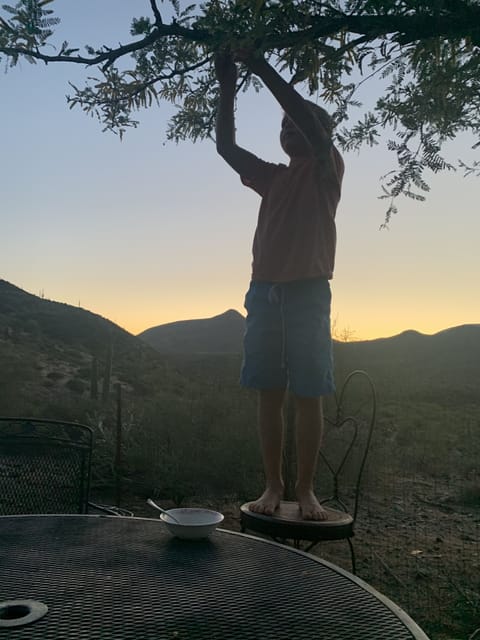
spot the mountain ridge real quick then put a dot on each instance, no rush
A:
(222, 333)
(184, 336)
(48, 348)
(18, 303)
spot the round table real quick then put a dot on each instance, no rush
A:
(127, 579)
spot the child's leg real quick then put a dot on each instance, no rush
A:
(309, 429)
(263, 369)
(270, 425)
(310, 369)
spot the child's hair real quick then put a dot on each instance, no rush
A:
(324, 117)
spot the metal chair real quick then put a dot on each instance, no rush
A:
(342, 459)
(45, 467)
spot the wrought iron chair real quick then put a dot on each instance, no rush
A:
(342, 459)
(45, 467)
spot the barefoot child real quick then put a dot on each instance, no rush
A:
(287, 341)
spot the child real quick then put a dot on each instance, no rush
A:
(287, 341)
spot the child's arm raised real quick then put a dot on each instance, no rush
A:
(239, 159)
(296, 108)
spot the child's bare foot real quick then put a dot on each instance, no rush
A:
(268, 502)
(310, 508)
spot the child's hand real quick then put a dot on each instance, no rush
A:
(251, 57)
(225, 69)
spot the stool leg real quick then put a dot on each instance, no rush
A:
(352, 556)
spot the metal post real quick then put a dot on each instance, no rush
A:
(289, 450)
(118, 449)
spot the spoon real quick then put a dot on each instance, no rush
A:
(155, 506)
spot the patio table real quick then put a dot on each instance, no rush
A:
(107, 577)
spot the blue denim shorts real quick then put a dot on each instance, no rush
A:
(288, 341)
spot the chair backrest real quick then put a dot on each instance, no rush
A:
(44, 466)
(349, 423)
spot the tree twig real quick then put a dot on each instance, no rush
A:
(389, 570)
(156, 13)
(168, 76)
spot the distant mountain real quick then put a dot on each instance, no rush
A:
(220, 334)
(51, 352)
(445, 364)
(456, 346)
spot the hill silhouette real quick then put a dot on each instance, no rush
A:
(50, 349)
(443, 367)
(445, 364)
(25, 313)
(221, 334)
(454, 347)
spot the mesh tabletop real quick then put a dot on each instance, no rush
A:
(126, 578)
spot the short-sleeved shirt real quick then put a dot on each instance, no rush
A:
(295, 238)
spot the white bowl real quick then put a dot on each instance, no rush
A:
(193, 524)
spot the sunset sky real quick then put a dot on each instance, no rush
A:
(145, 233)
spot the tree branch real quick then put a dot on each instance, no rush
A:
(462, 23)
(167, 76)
(111, 55)
(338, 53)
(408, 29)
(4, 25)
(156, 13)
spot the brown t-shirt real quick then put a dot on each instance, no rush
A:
(295, 237)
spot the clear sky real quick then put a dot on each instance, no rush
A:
(145, 233)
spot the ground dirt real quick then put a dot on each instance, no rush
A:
(420, 549)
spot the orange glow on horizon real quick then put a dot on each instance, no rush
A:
(359, 331)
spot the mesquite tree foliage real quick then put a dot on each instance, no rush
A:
(426, 54)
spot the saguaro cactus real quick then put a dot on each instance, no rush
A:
(94, 379)
(107, 371)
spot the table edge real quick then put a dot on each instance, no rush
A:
(396, 609)
(402, 615)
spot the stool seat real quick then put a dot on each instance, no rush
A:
(287, 523)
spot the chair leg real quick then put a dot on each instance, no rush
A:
(352, 556)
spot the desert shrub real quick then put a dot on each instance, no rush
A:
(76, 385)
